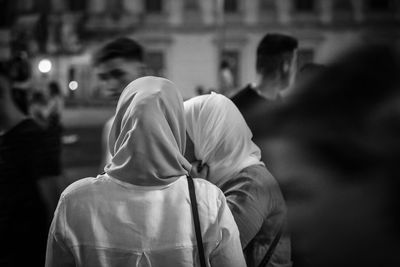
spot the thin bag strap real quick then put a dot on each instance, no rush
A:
(271, 249)
(195, 214)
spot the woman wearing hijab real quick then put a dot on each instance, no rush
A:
(138, 213)
(228, 158)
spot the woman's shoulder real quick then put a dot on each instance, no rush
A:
(254, 170)
(81, 186)
(257, 172)
(255, 178)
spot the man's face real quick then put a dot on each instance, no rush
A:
(115, 74)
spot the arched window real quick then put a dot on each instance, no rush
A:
(153, 6)
(77, 5)
(267, 5)
(342, 5)
(192, 5)
(379, 5)
(231, 6)
(304, 5)
(24, 6)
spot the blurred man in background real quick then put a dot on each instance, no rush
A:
(117, 63)
(276, 66)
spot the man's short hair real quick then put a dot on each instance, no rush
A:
(122, 47)
(272, 51)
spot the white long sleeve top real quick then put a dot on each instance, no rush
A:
(103, 222)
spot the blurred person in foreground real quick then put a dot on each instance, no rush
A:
(23, 225)
(117, 63)
(336, 150)
(138, 213)
(222, 152)
(276, 66)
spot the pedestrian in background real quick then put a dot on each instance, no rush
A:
(276, 67)
(117, 63)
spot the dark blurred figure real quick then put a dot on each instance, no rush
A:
(117, 63)
(308, 71)
(53, 129)
(276, 66)
(336, 151)
(227, 79)
(37, 108)
(23, 227)
(19, 71)
(55, 104)
(200, 90)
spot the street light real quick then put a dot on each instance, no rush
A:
(73, 85)
(44, 66)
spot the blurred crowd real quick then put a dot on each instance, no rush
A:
(298, 168)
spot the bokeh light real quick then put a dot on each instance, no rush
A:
(73, 85)
(44, 66)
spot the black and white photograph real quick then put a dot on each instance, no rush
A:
(199, 133)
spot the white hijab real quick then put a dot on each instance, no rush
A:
(220, 135)
(147, 138)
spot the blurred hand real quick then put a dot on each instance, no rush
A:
(199, 170)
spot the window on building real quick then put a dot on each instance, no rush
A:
(6, 16)
(77, 5)
(231, 6)
(342, 5)
(305, 55)
(267, 5)
(379, 5)
(155, 63)
(304, 5)
(153, 6)
(25, 6)
(115, 8)
(192, 5)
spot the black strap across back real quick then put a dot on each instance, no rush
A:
(196, 220)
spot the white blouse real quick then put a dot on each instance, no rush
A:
(105, 222)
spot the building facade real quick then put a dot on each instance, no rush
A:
(186, 40)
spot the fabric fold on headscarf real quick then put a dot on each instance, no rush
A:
(220, 135)
(148, 136)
